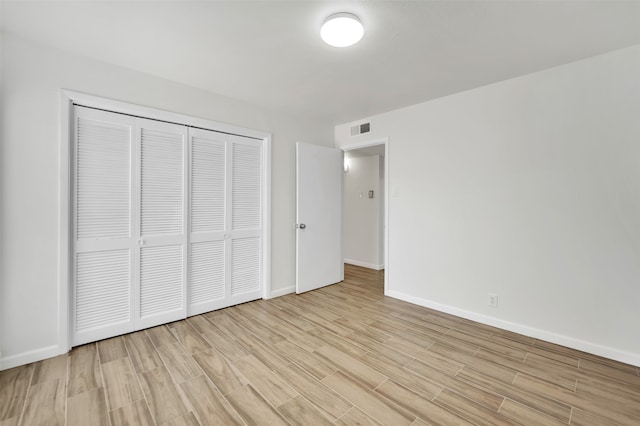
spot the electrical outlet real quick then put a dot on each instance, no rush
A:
(493, 300)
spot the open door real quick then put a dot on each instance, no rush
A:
(319, 174)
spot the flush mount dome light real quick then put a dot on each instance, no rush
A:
(342, 30)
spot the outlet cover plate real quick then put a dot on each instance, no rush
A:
(493, 300)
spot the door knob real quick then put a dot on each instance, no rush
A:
(302, 226)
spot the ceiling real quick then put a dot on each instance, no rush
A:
(270, 54)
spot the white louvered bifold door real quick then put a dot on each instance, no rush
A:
(167, 222)
(246, 220)
(102, 225)
(208, 222)
(160, 281)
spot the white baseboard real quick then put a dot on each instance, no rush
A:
(55, 350)
(581, 345)
(559, 339)
(30, 356)
(364, 264)
(282, 292)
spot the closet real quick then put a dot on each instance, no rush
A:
(167, 222)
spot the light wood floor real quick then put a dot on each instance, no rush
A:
(344, 354)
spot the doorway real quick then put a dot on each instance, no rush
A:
(365, 205)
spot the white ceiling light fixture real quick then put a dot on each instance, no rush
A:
(342, 30)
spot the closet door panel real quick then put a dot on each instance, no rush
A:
(246, 212)
(161, 255)
(102, 224)
(208, 221)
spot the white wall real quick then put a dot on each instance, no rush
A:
(1, 191)
(528, 188)
(362, 214)
(32, 76)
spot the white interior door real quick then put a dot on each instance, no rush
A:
(319, 176)
(245, 210)
(209, 221)
(102, 225)
(161, 229)
(167, 222)
(225, 236)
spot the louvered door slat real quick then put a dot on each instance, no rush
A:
(161, 182)
(102, 165)
(207, 272)
(246, 192)
(161, 280)
(245, 265)
(102, 289)
(208, 169)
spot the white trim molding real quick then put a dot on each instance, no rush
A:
(64, 221)
(548, 336)
(266, 217)
(159, 114)
(364, 264)
(31, 356)
(282, 292)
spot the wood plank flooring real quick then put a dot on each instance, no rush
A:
(343, 355)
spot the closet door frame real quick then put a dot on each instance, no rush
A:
(67, 100)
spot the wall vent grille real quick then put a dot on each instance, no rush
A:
(359, 129)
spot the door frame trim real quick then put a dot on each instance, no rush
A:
(67, 99)
(365, 144)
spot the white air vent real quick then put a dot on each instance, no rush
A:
(359, 129)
